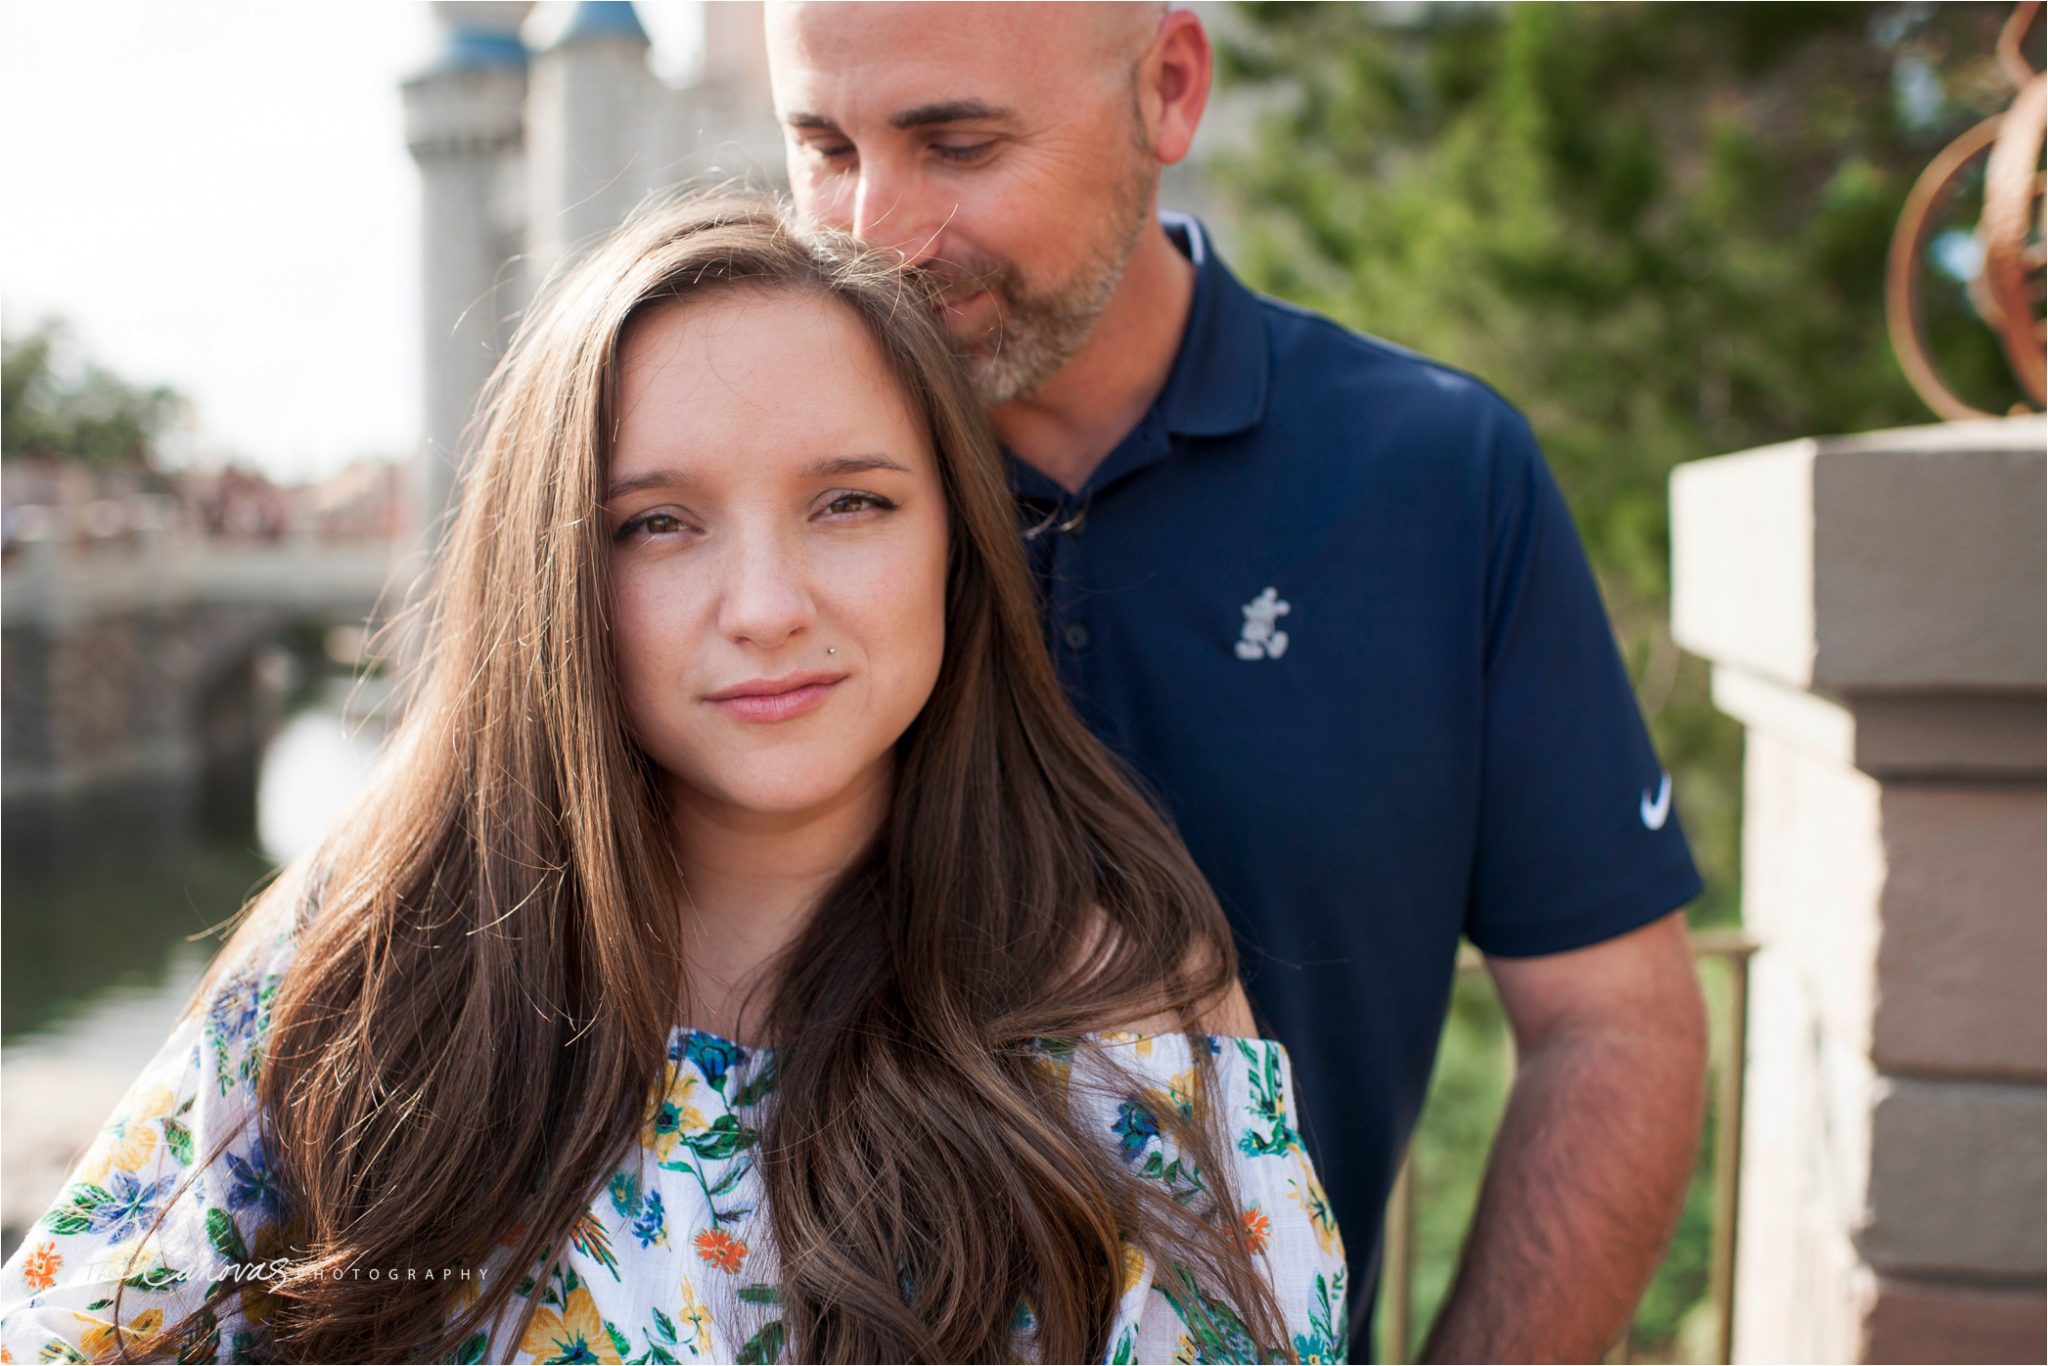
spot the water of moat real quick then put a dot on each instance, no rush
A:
(104, 900)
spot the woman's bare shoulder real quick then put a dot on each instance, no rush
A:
(1226, 1014)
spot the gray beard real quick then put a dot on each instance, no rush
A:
(1036, 335)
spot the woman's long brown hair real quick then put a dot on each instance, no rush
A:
(462, 1050)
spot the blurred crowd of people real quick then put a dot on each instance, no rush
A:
(57, 500)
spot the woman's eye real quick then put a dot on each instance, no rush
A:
(653, 523)
(852, 504)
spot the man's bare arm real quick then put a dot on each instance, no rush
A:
(1589, 1170)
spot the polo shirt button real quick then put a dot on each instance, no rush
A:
(1077, 636)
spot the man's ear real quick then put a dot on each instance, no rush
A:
(1174, 84)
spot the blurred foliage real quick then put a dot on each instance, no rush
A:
(1659, 230)
(54, 403)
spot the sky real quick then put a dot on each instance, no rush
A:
(217, 196)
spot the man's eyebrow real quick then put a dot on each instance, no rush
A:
(922, 116)
(947, 111)
(824, 468)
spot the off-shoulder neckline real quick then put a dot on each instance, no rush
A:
(1117, 1038)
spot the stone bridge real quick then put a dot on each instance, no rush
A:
(136, 661)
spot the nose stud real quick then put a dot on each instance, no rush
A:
(831, 649)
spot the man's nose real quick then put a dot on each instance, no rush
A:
(893, 213)
(766, 601)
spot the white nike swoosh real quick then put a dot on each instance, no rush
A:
(1656, 812)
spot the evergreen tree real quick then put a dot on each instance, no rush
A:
(1660, 230)
(52, 404)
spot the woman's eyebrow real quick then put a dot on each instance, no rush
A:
(852, 464)
(653, 479)
(824, 468)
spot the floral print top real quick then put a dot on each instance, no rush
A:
(672, 1261)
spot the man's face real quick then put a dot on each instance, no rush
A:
(998, 147)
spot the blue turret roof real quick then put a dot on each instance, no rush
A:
(469, 47)
(603, 19)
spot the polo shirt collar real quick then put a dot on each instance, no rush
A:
(1218, 382)
(1217, 385)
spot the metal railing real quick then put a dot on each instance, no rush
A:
(1730, 948)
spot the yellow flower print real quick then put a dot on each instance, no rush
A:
(1184, 1351)
(693, 1321)
(1141, 1044)
(1307, 1192)
(1134, 1268)
(576, 1333)
(671, 1115)
(127, 1142)
(101, 1338)
(1181, 1089)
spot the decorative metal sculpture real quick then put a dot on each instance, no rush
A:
(2009, 289)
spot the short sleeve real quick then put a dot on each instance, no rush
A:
(1578, 835)
(58, 1289)
(1166, 1313)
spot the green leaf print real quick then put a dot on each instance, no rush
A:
(470, 1350)
(178, 1139)
(1268, 1103)
(724, 1139)
(762, 1348)
(760, 1294)
(1126, 1349)
(620, 1343)
(592, 1241)
(1218, 1334)
(1179, 1176)
(1328, 1321)
(733, 1176)
(225, 1237)
(158, 1278)
(757, 1090)
(664, 1326)
(72, 1214)
(203, 1342)
(56, 1349)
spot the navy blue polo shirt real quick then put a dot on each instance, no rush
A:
(1328, 604)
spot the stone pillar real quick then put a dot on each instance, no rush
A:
(1873, 609)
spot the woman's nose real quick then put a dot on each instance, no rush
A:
(766, 600)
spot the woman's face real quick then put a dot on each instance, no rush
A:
(778, 551)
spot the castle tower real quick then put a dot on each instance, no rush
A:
(464, 119)
(588, 108)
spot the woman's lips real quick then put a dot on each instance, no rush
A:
(777, 706)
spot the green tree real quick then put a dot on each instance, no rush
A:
(54, 404)
(1659, 229)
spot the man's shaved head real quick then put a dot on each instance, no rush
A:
(1012, 151)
